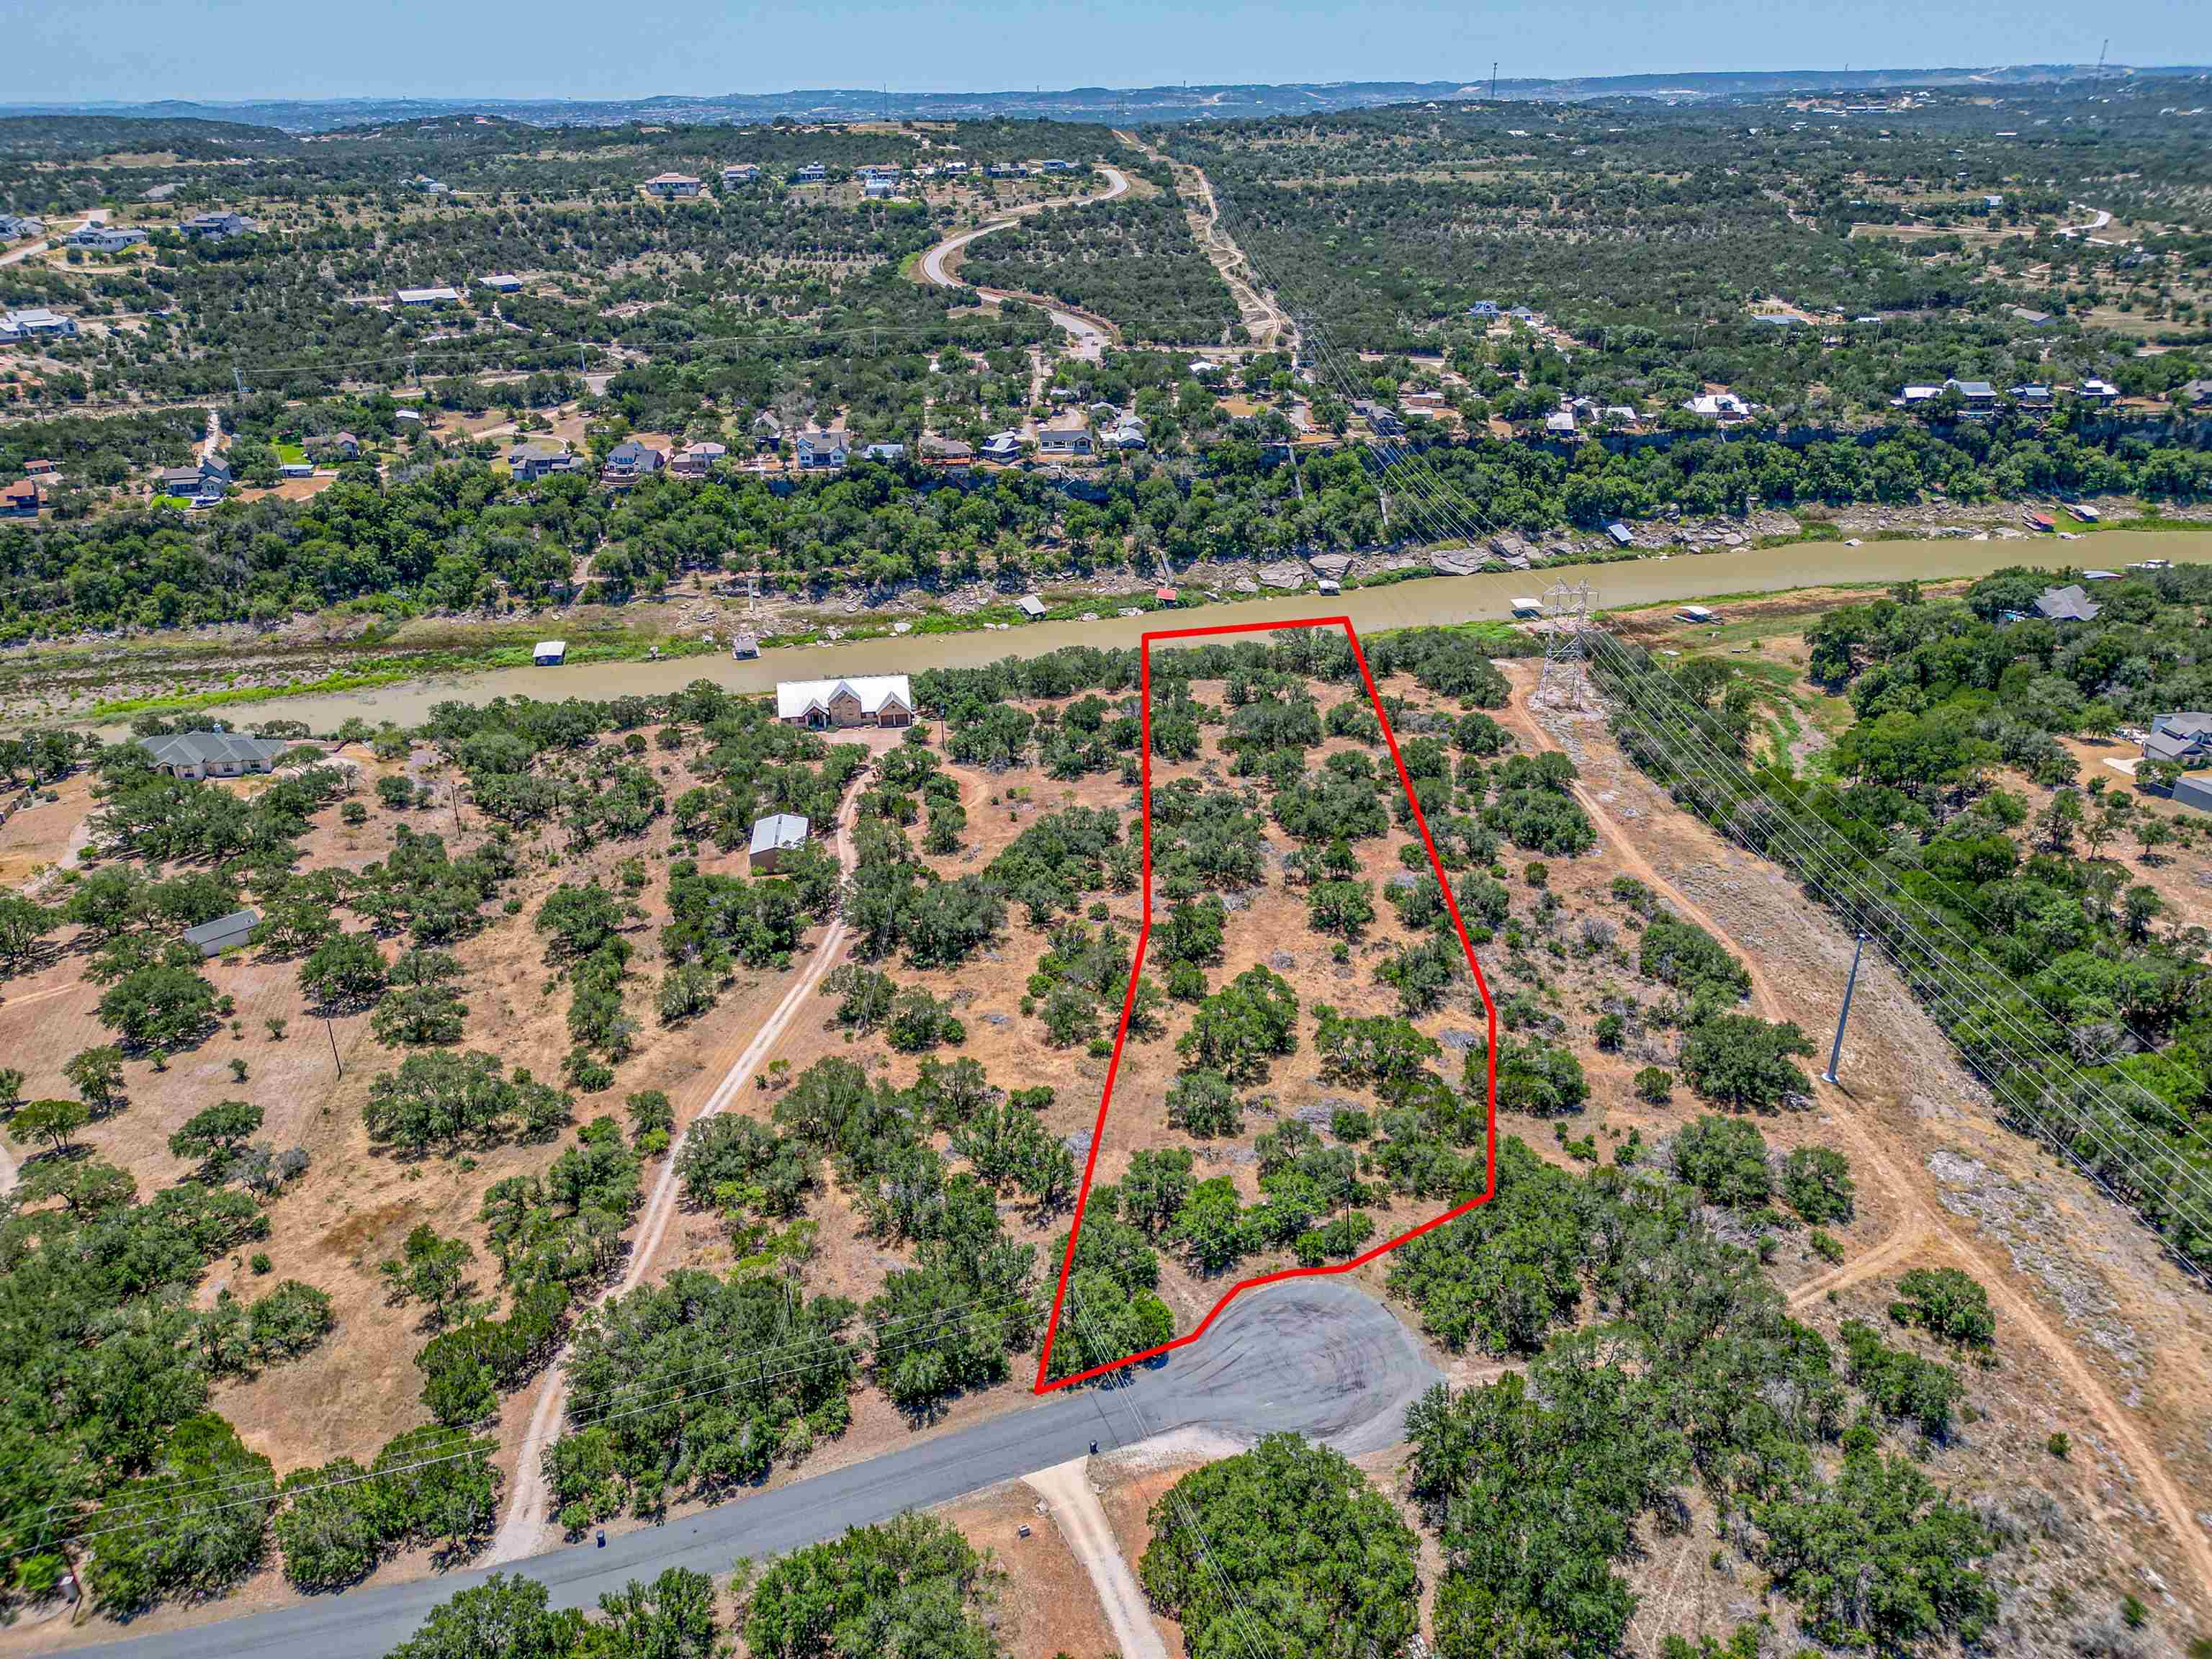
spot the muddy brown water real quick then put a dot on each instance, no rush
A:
(1655, 581)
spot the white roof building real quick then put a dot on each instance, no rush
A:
(860, 700)
(426, 296)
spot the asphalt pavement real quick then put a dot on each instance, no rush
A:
(1318, 1356)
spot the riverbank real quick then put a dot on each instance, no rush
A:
(1662, 578)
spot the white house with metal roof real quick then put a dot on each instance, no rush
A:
(831, 705)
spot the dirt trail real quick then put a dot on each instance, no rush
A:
(520, 1531)
(1922, 1219)
(1082, 1524)
(1268, 323)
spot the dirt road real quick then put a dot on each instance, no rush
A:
(1082, 1522)
(1089, 335)
(521, 1531)
(1923, 1228)
(1268, 323)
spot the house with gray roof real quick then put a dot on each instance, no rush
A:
(212, 753)
(2069, 604)
(534, 459)
(2184, 739)
(229, 932)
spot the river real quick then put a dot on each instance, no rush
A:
(1428, 602)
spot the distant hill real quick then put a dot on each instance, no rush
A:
(1147, 104)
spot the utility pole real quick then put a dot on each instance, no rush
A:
(330, 1032)
(1836, 1053)
(1493, 80)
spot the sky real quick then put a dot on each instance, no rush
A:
(85, 51)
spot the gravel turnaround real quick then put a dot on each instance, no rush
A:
(1318, 1355)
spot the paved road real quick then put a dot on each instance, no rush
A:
(1319, 1356)
(1088, 335)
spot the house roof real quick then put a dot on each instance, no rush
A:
(2189, 722)
(779, 832)
(2069, 604)
(2194, 791)
(873, 691)
(538, 449)
(2170, 746)
(1031, 605)
(407, 296)
(200, 748)
(223, 933)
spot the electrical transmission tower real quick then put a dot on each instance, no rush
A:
(1566, 662)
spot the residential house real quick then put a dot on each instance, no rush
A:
(628, 461)
(2069, 604)
(948, 451)
(669, 185)
(768, 430)
(1777, 319)
(1053, 165)
(1003, 446)
(2095, 391)
(230, 933)
(2184, 739)
(1071, 438)
(1560, 423)
(426, 296)
(1723, 406)
(549, 654)
(36, 323)
(407, 417)
(877, 188)
(740, 172)
(696, 460)
(212, 753)
(1486, 310)
(1128, 432)
(889, 453)
(1005, 170)
(503, 282)
(217, 227)
(2032, 318)
(39, 467)
(1382, 421)
(14, 227)
(812, 174)
(538, 457)
(772, 836)
(863, 700)
(428, 185)
(1978, 396)
(818, 451)
(104, 239)
(21, 500)
(2030, 394)
(338, 446)
(208, 482)
(1203, 367)
(2191, 394)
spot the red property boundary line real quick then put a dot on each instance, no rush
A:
(1129, 1001)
